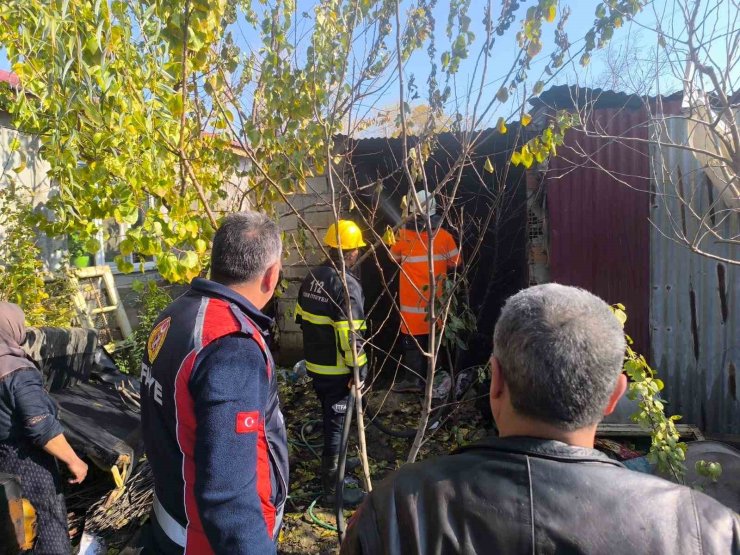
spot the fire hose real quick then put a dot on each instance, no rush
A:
(339, 488)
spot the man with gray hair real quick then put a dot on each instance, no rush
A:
(540, 486)
(211, 420)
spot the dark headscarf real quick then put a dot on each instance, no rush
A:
(12, 335)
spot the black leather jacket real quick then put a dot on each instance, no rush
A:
(533, 496)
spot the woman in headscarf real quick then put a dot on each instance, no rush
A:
(31, 436)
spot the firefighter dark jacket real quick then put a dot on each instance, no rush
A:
(526, 495)
(324, 315)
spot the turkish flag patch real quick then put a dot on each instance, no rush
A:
(247, 422)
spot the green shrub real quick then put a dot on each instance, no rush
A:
(154, 299)
(46, 299)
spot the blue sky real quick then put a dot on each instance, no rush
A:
(629, 41)
(468, 81)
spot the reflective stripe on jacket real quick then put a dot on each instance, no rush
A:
(412, 248)
(323, 315)
(211, 423)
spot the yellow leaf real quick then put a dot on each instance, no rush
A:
(200, 246)
(551, 13)
(117, 478)
(527, 157)
(516, 158)
(389, 238)
(501, 126)
(175, 105)
(526, 120)
(620, 314)
(488, 166)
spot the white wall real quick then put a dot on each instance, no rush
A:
(315, 209)
(32, 182)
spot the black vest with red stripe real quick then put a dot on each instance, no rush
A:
(208, 311)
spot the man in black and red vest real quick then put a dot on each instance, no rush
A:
(211, 419)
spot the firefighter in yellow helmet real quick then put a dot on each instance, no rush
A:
(329, 317)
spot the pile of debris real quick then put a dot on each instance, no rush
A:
(112, 519)
(99, 408)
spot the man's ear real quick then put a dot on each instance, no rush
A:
(270, 278)
(497, 379)
(616, 395)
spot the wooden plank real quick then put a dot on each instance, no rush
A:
(112, 291)
(104, 310)
(686, 431)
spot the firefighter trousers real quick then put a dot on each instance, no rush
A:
(333, 394)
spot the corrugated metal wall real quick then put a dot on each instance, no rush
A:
(694, 300)
(599, 229)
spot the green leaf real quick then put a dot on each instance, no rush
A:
(124, 265)
(21, 164)
(131, 217)
(192, 228)
(175, 105)
(92, 245)
(200, 246)
(190, 260)
(126, 247)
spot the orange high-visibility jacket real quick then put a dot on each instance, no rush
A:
(411, 249)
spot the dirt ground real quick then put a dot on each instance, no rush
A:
(307, 520)
(301, 534)
(308, 523)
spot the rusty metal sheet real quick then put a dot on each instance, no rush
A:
(599, 228)
(694, 300)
